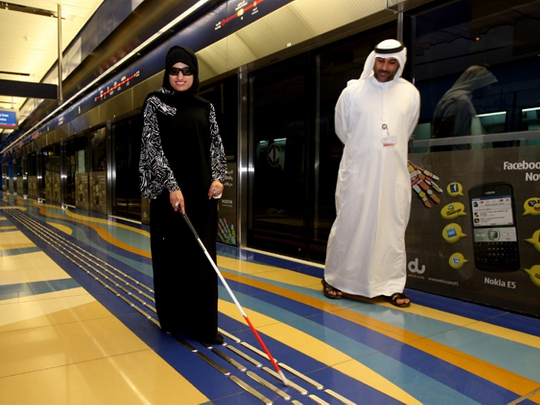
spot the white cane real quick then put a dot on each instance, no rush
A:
(226, 285)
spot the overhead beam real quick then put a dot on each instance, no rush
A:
(28, 90)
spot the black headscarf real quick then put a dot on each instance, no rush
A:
(185, 55)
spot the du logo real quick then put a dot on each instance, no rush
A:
(413, 267)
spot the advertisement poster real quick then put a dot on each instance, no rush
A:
(227, 208)
(52, 187)
(98, 192)
(474, 230)
(81, 197)
(32, 187)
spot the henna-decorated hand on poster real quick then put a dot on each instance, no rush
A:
(423, 183)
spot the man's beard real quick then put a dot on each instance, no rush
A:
(384, 79)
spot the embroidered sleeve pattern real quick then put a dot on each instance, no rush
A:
(217, 153)
(154, 170)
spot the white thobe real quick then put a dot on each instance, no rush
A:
(366, 247)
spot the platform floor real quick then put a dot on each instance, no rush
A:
(78, 326)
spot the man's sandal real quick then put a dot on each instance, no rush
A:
(330, 292)
(393, 299)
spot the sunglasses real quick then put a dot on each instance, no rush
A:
(187, 71)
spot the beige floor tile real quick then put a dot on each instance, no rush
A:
(28, 274)
(50, 311)
(45, 296)
(26, 261)
(14, 240)
(135, 378)
(36, 349)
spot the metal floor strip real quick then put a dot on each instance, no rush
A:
(340, 398)
(230, 360)
(219, 368)
(304, 377)
(229, 335)
(298, 388)
(255, 350)
(126, 288)
(95, 267)
(251, 390)
(187, 345)
(244, 356)
(317, 400)
(269, 385)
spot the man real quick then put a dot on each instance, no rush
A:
(375, 117)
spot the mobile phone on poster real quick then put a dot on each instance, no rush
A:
(494, 227)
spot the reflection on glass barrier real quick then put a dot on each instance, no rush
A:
(455, 114)
(530, 119)
(493, 123)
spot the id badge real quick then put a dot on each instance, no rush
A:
(389, 140)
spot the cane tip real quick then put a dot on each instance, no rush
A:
(285, 381)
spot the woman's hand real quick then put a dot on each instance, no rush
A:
(215, 190)
(177, 201)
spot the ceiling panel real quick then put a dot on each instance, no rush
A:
(322, 18)
(292, 24)
(29, 46)
(29, 43)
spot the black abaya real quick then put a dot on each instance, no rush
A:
(181, 149)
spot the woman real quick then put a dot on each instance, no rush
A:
(182, 167)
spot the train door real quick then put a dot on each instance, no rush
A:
(76, 186)
(224, 98)
(50, 170)
(126, 139)
(31, 162)
(18, 175)
(295, 154)
(8, 177)
(98, 171)
(22, 176)
(5, 176)
(278, 213)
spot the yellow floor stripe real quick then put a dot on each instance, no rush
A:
(490, 372)
(66, 229)
(297, 279)
(294, 278)
(102, 232)
(318, 350)
(85, 219)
